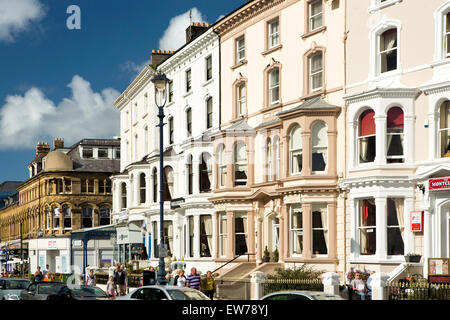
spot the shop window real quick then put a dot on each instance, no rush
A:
(205, 235)
(387, 53)
(320, 228)
(367, 227)
(295, 150)
(395, 226)
(205, 171)
(123, 196)
(367, 137)
(104, 216)
(67, 214)
(142, 188)
(168, 236)
(240, 233)
(223, 231)
(296, 231)
(315, 15)
(395, 135)
(240, 164)
(444, 129)
(319, 147)
(87, 220)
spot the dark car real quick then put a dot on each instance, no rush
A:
(41, 290)
(79, 293)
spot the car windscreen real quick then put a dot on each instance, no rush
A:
(49, 288)
(17, 285)
(326, 297)
(88, 292)
(186, 294)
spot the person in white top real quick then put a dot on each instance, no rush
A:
(180, 279)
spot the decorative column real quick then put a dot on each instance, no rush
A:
(197, 236)
(259, 221)
(307, 229)
(306, 152)
(284, 233)
(230, 171)
(408, 235)
(332, 153)
(195, 176)
(251, 232)
(230, 235)
(215, 235)
(332, 233)
(408, 148)
(284, 154)
(380, 144)
(381, 227)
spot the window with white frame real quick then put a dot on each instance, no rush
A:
(240, 233)
(366, 136)
(274, 86)
(170, 91)
(155, 184)
(146, 140)
(205, 170)
(189, 122)
(191, 236)
(367, 226)
(315, 14)
(395, 226)
(444, 129)
(170, 130)
(205, 236)
(276, 148)
(168, 183)
(168, 236)
(316, 71)
(240, 49)
(447, 35)
(208, 63)
(222, 166)
(269, 176)
(319, 228)
(395, 135)
(296, 150)
(102, 153)
(241, 99)
(145, 103)
(387, 51)
(142, 188)
(209, 113)
(88, 153)
(188, 74)
(190, 175)
(223, 244)
(56, 215)
(240, 164)
(123, 196)
(155, 236)
(319, 147)
(273, 33)
(296, 230)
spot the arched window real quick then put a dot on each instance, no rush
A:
(269, 175)
(87, 220)
(209, 113)
(387, 50)
(276, 149)
(444, 129)
(296, 150)
(190, 175)
(241, 101)
(123, 196)
(240, 164)
(316, 71)
(205, 170)
(155, 184)
(104, 216)
(189, 122)
(142, 188)
(56, 215)
(222, 166)
(394, 135)
(367, 136)
(168, 183)
(319, 147)
(274, 86)
(67, 216)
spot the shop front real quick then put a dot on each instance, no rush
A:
(131, 242)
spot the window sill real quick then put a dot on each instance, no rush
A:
(187, 94)
(145, 115)
(208, 82)
(169, 104)
(237, 65)
(395, 166)
(268, 51)
(311, 33)
(376, 7)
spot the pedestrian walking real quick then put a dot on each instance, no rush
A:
(46, 270)
(90, 279)
(120, 280)
(110, 287)
(148, 276)
(209, 285)
(180, 279)
(193, 280)
(38, 276)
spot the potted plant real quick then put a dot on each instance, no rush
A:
(275, 255)
(413, 257)
(266, 256)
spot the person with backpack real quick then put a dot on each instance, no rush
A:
(180, 279)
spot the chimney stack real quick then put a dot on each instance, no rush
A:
(159, 56)
(58, 143)
(42, 148)
(195, 29)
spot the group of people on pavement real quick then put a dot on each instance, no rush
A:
(45, 275)
(207, 285)
(118, 282)
(361, 288)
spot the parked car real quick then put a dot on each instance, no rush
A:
(41, 290)
(164, 293)
(10, 288)
(79, 293)
(301, 295)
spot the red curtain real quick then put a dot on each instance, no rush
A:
(395, 118)
(367, 123)
(365, 210)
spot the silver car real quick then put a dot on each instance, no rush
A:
(10, 288)
(154, 293)
(301, 295)
(41, 290)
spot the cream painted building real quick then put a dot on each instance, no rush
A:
(397, 97)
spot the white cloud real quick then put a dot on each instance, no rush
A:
(27, 119)
(134, 68)
(16, 16)
(175, 34)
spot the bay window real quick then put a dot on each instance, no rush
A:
(296, 231)
(395, 226)
(205, 235)
(395, 135)
(447, 35)
(320, 228)
(123, 196)
(168, 183)
(295, 150)
(223, 244)
(142, 188)
(190, 175)
(444, 129)
(367, 226)
(205, 171)
(367, 136)
(155, 184)
(168, 236)
(209, 113)
(191, 236)
(222, 166)
(319, 147)
(240, 164)
(240, 233)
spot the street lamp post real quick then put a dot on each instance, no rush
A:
(160, 81)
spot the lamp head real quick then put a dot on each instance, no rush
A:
(160, 81)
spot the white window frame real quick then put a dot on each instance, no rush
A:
(240, 49)
(223, 235)
(311, 17)
(208, 58)
(295, 231)
(241, 99)
(313, 73)
(188, 80)
(381, 52)
(274, 86)
(325, 229)
(273, 35)
(293, 152)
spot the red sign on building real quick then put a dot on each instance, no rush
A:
(439, 184)
(417, 221)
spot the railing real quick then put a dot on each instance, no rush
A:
(226, 263)
(274, 285)
(418, 291)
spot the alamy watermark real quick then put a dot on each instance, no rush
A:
(73, 22)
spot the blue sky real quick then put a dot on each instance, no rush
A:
(56, 82)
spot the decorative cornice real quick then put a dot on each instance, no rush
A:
(436, 88)
(383, 93)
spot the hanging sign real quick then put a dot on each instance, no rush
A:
(439, 184)
(416, 221)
